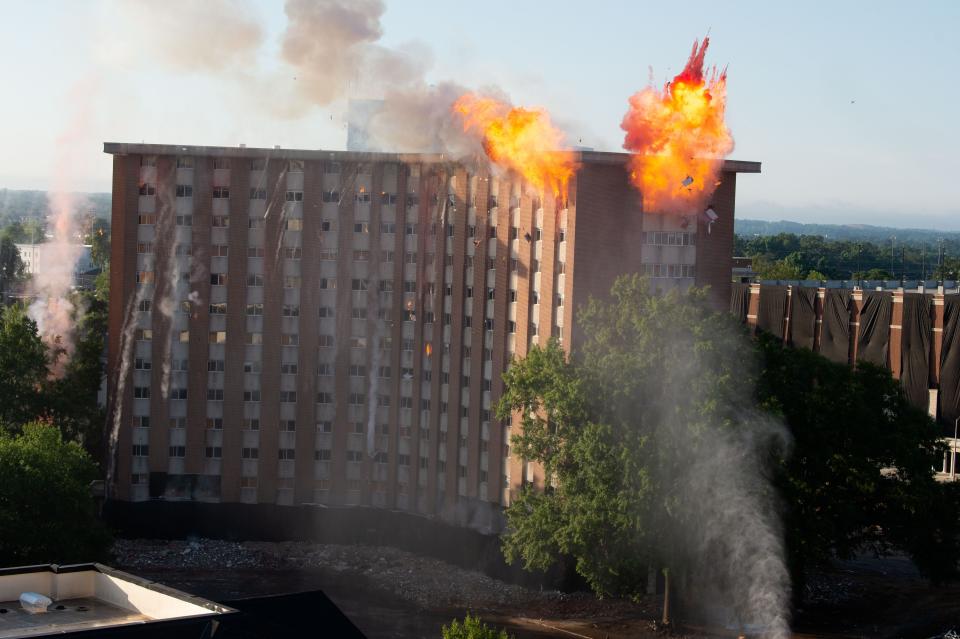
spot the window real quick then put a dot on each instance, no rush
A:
(251, 424)
(295, 166)
(143, 334)
(256, 223)
(184, 220)
(178, 451)
(138, 478)
(354, 456)
(358, 313)
(361, 256)
(215, 423)
(291, 281)
(322, 455)
(294, 224)
(383, 372)
(215, 365)
(144, 277)
(258, 194)
(386, 286)
(293, 252)
(221, 192)
(325, 341)
(325, 427)
(289, 397)
(255, 251)
(324, 397)
(213, 452)
(215, 394)
(252, 367)
(178, 422)
(406, 402)
(141, 392)
(148, 160)
(147, 218)
(219, 250)
(357, 399)
(258, 164)
(409, 286)
(144, 247)
(291, 310)
(148, 189)
(331, 196)
(184, 190)
(218, 337)
(328, 283)
(142, 364)
(511, 327)
(384, 400)
(255, 280)
(358, 370)
(358, 341)
(363, 196)
(290, 339)
(249, 453)
(288, 368)
(359, 284)
(331, 167)
(413, 199)
(218, 279)
(254, 339)
(251, 396)
(361, 227)
(325, 311)
(254, 309)
(178, 393)
(185, 163)
(219, 308)
(388, 227)
(294, 196)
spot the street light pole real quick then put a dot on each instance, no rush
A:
(953, 451)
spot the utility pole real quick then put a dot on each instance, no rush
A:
(893, 244)
(903, 263)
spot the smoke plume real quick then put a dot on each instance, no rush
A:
(51, 286)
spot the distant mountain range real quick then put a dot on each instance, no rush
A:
(16, 205)
(864, 232)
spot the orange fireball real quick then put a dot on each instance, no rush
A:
(523, 140)
(679, 138)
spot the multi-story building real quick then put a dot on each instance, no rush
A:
(296, 327)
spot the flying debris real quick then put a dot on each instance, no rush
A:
(679, 138)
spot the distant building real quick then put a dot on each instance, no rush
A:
(338, 323)
(743, 269)
(37, 257)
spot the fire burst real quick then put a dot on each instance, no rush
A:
(679, 138)
(520, 139)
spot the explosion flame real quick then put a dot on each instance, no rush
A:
(520, 139)
(679, 137)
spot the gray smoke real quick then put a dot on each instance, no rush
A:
(725, 525)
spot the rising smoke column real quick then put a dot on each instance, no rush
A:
(679, 138)
(53, 308)
(521, 139)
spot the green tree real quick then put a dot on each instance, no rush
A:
(472, 628)
(816, 275)
(767, 269)
(72, 399)
(98, 237)
(23, 369)
(11, 266)
(850, 428)
(47, 513)
(613, 429)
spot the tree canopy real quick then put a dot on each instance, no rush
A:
(46, 511)
(662, 442)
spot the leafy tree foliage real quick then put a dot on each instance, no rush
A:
(613, 427)
(787, 256)
(11, 266)
(23, 369)
(98, 237)
(46, 511)
(472, 628)
(851, 427)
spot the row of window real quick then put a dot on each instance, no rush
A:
(669, 238)
(254, 164)
(669, 270)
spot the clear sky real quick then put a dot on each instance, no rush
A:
(850, 106)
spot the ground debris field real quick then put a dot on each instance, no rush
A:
(391, 593)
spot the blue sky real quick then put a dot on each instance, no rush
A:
(850, 106)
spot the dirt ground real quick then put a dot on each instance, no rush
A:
(391, 593)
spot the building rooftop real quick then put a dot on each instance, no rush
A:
(587, 157)
(92, 597)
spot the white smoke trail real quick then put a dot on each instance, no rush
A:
(374, 389)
